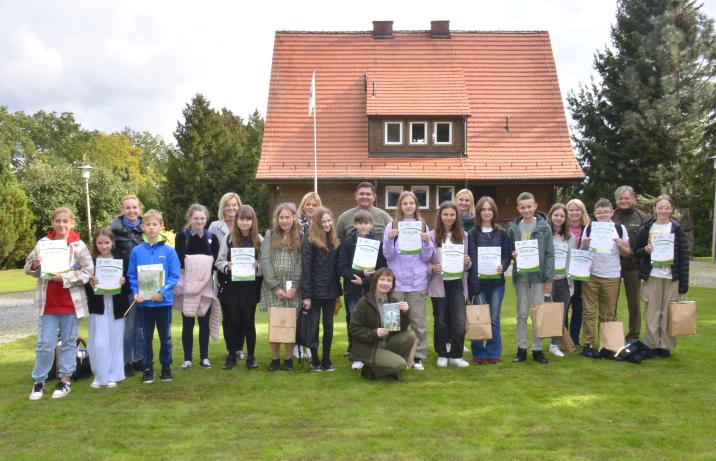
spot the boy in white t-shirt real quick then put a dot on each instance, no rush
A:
(600, 294)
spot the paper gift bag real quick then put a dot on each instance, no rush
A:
(566, 343)
(548, 319)
(478, 325)
(611, 336)
(682, 318)
(282, 325)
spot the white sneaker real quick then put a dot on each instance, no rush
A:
(63, 388)
(442, 362)
(186, 364)
(38, 390)
(418, 365)
(357, 365)
(460, 363)
(205, 363)
(95, 385)
(554, 350)
(112, 384)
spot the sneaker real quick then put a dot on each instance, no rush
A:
(460, 363)
(521, 355)
(493, 361)
(186, 364)
(442, 362)
(148, 377)
(129, 370)
(138, 365)
(111, 384)
(95, 386)
(251, 363)
(205, 363)
(538, 356)
(61, 390)
(478, 360)
(316, 367)
(418, 365)
(588, 351)
(38, 390)
(287, 365)
(166, 374)
(554, 350)
(328, 367)
(357, 365)
(230, 362)
(240, 355)
(274, 365)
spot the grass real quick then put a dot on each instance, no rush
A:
(15, 280)
(574, 408)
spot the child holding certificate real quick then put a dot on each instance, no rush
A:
(531, 245)
(408, 249)
(564, 243)
(488, 248)
(107, 307)
(360, 255)
(153, 273)
(240, 295)
(607, 241)
(60, 301)
(448, 285)
(663, 248)
(320, 281)
(577, 220)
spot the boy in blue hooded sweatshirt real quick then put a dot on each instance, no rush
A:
(157, 310)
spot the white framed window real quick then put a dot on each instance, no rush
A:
(392, 193)
(442, 132)
(393, 133)
(423, 195)
(443, 194)
(418, 132)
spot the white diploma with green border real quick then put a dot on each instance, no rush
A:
(601, 237)
(409, 238)
(55, 257)
(452, 260)
(561, 250)
(527, 256)
(108, 272)
(365, 257)
(663, 254)
(580, 264)
(150, 278)
(488, 260)
(242, 264)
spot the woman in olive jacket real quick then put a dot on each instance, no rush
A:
(383, 353)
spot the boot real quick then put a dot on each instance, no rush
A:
(521, 355)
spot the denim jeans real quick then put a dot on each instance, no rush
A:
(491, 348)
(133, 338)
(162, 318)
(47, 343)
(575, 323)
(449, 317)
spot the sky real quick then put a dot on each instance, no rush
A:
(138, 63)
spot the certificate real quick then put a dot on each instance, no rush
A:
(391, 317)
(663, 254)
(601, 237)
(561, 249)
(242, 264)
(580, 264)
(452, 260)
(150, 279)
(488, 260)
(366, 254)
(527, 256)
(55, 257)
(108, 271)
(409, 239)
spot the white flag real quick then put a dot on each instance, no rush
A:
(312, 95)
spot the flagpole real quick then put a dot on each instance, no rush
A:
(315, 155)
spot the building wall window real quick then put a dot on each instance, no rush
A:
(443, 132)
(393, 133)
(443, 194)
(418, 132)
(392, 193)
(423, 195)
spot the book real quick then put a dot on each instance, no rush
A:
(150, 279)
(391, 317)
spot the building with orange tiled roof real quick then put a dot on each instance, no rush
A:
(432, 111)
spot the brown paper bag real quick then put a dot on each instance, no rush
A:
(566, 343)
(548, 319)
(682, 318)
(611, 336)
(478, 325)
(282, 325)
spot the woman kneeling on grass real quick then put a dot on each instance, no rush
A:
(383, 352)
(60, 301)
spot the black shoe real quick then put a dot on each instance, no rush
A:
(128, 370)
(251, 363)
(240, 355)
(230, 362)
(538, 356)
(148, 377)
(588, 351)
(166, 374)
(521, 355)
(316, 367)
(663, 353)
(328, 366)
(287, 365)
(367, 373)
(398, 377)
(138, 365)
(274, 365)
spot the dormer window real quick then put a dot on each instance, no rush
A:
(393, 133)
(418, 133)
(443, 132)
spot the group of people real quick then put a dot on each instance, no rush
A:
(299, 264)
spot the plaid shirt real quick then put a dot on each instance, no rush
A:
(82, 269)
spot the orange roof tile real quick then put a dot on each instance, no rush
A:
(486, 75)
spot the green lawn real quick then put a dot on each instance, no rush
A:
(15, 280)
(573, 408)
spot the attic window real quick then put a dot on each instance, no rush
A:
(418, 133)
(443, 132)
(393, 133)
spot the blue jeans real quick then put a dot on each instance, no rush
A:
(162, 318)
(133, 338)
(47, 343)
(492, 348)
(575, 324)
